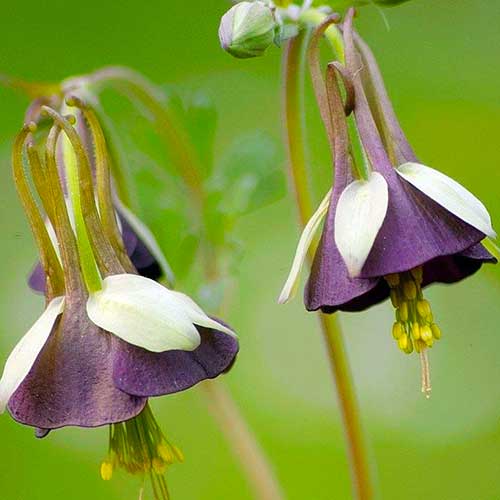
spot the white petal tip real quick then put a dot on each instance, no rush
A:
(448, 193)
(290, 288)
(361, 211)
(144, 313)
(285, 296)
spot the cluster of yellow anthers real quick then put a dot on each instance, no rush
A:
(139, 447)
(414, 328)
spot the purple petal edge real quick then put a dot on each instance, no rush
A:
(71, 381)
(143, 373)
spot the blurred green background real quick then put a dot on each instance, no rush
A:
(441, 63)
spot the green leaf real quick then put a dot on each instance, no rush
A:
(201, 123)
(249, 175)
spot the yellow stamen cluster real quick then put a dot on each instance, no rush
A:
(414, 328)
(140, 447)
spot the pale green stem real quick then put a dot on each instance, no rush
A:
(293, 76)
(242, 441)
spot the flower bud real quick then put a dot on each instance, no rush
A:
(247, 29)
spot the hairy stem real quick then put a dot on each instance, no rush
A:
(295, 142)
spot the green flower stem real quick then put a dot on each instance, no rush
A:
(149, 99)
(293, 75)
(242, 441)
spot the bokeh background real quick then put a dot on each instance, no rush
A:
(440, 60)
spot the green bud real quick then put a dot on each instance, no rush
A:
(247, 29)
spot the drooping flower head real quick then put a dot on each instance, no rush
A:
(109, 338)
(392, 226)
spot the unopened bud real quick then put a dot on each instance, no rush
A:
(247, 29)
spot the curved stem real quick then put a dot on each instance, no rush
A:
(242, 441)
(293, 71)
(144, 94)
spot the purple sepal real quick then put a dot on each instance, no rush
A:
(144, 373)
(71, 382)
(416, 230)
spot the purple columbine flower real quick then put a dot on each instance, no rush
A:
(109, 338)
(391, 227)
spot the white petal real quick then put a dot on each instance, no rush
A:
(24, 355)
(361, 211)
(306, 238)
(144, 313)
(198, 316)
(147, 237)
(449, 194)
